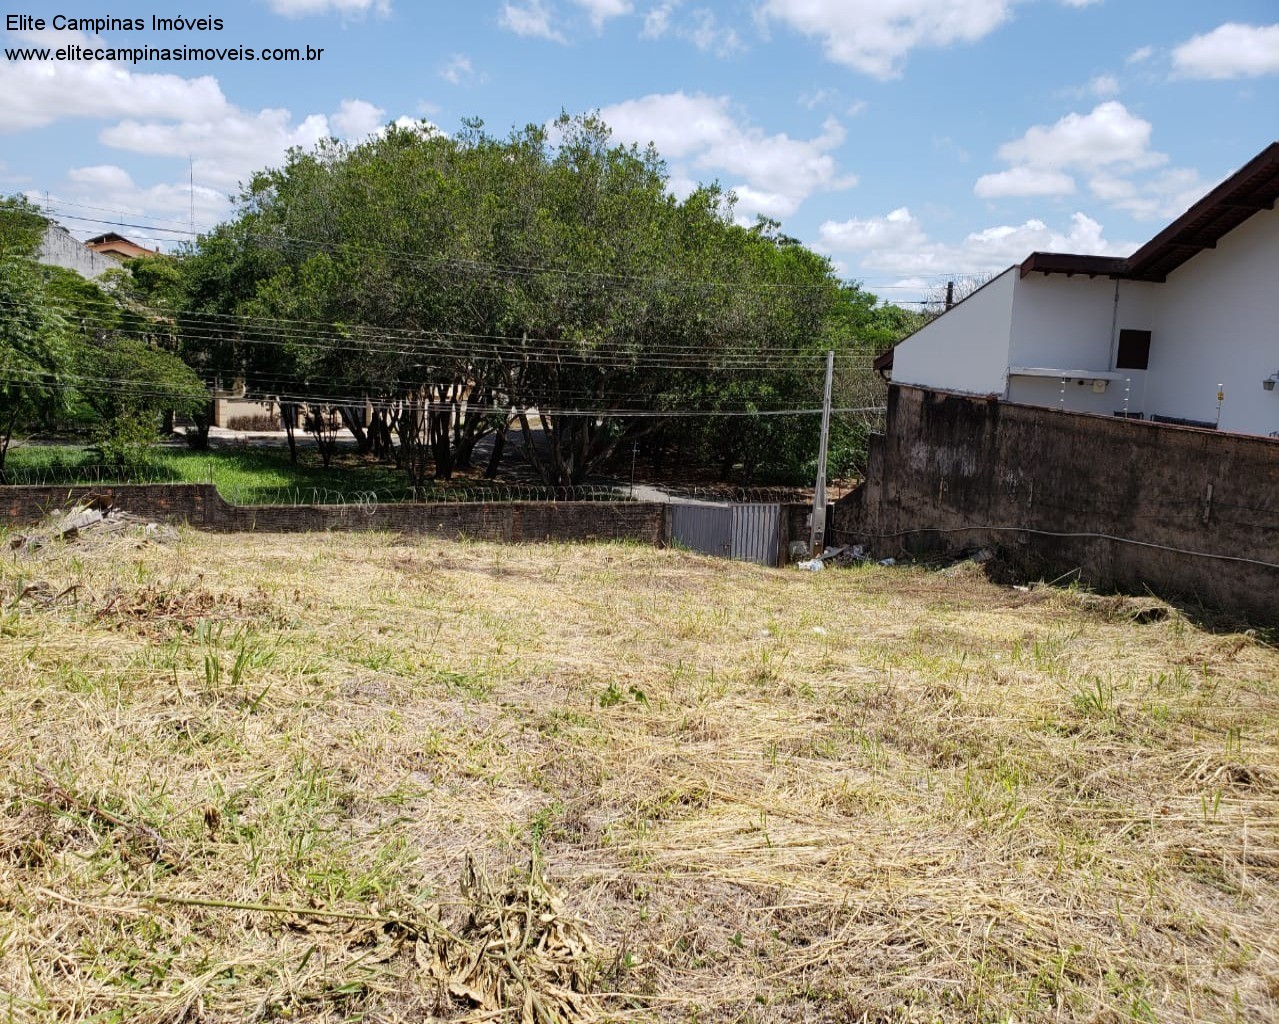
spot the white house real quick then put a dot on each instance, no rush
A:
(1186, 329)
(59, 249)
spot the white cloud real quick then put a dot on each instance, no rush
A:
(1230, 51)
(771, 174)
(1104, 86)
(1109, 134)
(1024, 181)
(357, 119)
(677, 123)
(874, 37)
(1101, 87)
(1163, 197)
(421, 125)
(1111, 147)
(108, 187)
(1142, 53)
(1080, 3)
(898, 244)
(105, 176)
(818, 98)
(167, 116)
(601, 10)
(299, 8)
(226, 148)
(458, 69)
(709, 36)
(532, 19)
(899, 230)
(42, 93)
(657, 21)
(701, 28)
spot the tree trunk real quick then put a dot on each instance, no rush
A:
(380, 443)
(320, 427)
(413, 453)
(499, 445)
(198, 439)
(438, 419)
(353, 424)
(530, 449)
(289, 417)
(4, 442)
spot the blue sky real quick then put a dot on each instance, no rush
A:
(912, 140)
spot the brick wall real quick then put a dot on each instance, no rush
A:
(198, 504)
(201, 506)
(954, 472)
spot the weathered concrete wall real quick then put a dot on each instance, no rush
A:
(1055, 492)
(59, 249)
(201, 506)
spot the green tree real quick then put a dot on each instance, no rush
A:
(460, 284)
(21, 227)
(131, 384)
(34, 354)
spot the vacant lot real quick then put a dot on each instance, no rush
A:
(361, 777)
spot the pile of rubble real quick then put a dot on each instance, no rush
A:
(89, 520)
(856, 554)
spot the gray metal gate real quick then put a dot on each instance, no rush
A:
(756, 528)
(703, 527)
(748, 532)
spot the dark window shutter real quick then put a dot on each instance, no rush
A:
(1134, 350)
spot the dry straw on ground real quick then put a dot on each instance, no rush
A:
(362, 777)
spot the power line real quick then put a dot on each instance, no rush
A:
(417, 258)
(120, 215)
(106, 385)
(312, 334)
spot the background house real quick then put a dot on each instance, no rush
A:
(58, 248)
(118, 246)
(1190, 316)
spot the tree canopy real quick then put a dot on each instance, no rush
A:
(98, 346)
(460, 284)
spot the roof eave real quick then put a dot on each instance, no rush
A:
(1250, 190)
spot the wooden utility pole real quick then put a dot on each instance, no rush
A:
(817, 540)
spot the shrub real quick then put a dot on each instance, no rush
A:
(264, 421)
(128, 441)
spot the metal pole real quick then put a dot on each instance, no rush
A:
(817, 540)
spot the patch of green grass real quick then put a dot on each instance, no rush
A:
(242, 476)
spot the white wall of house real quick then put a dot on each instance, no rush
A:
(1216, 321)
(967, 349)
(1072, 323)
(1062, 321)
(59, 249)
(1072, 395)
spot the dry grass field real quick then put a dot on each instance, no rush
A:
(359, 777)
